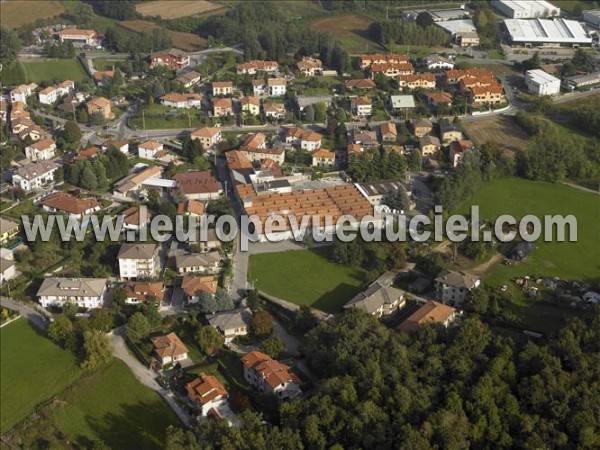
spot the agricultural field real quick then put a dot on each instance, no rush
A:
(33, 370)
(350, 30)
(53, 69)
(16, 13)
(306, 277)
(174, 9)
(187, 42)
(501, 129)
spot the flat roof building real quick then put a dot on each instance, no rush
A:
(529, 9)
(545, 32)
(541, 83)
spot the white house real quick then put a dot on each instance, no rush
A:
(453, 287)
(78, 36)
(138, 260)
(74, 207)
(169, 349)
(361, 106)
(541, 83)
(149, 149)
(121, 145)
(437, 62)
(35, 176)
(198, 263)
(42, 150)
(207, 393)
(222, 87)
(21, 92)
(8, 270)
(176, 100)
(380, 298)
(84, 292)
(52, 93)
(306, 139)
(231, 323)
(270, 376)
(259, 87)
(277, 86)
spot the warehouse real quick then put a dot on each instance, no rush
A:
(546, 33)
(541, 83)
(530, 9)
(581, 81)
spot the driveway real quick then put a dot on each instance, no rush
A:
(37, 318)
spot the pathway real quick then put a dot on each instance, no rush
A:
(37, 318)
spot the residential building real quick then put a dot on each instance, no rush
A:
(254, 66)
(190, 208)
(309, 67)
(458, 149)
(9, 229)
(421, 127)
(51, 94)
(547, 32)
(77, 36)
(530, 9)
(41, 150)
(439, 98)
(541, 83)
(136, 181)
(380, 298)
(305, 139)
(231, 323)
(438, 62)
(250, 105)
(259, 87)
(103, 77)
(365, 84)
(175, 100)
(100, 105)
(21, 92)
(485, 95)
(276, 86)
(391, 70)
(8, 270)
(303, 101)
(366, 138)
(378, 192)
(467, 38)
(172, 59)
(149, 149)
(138, 292)
(85, 155)
(207, 393)
(33, 132)
(208, 136)
(388, 132)
(193, 287)
(169, 349)
(198, 185)
(222, 107)
(270, 376)
(74, 207)
(222, 88)
(189, 79)
(430, 312)
(402, 102)
(424, 80)
(35, 176)
(429, 145)
(454, 286)
(135, 218)
(121, 145)
(361, 106)
(237, 160)
(84, 292)
(138, 261)
(208, 243)
(274, 110)
(367, 61)
(323, 159)
(450, 132)
(198, 263)
(263, 153)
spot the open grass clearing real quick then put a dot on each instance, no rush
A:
(157, 117)
(48, 70)
(503, 130)
(174, 9)
(183, 41)
(16, 13)
(306, 277)
(351, 30)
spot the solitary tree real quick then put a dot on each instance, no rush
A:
(274, 346)
(138, 327)
(207, 338)
(262, 323)
(97, 349)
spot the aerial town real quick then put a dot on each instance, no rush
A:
(239, 120)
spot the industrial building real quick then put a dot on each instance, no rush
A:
(541, 83)
(546, 33)
(591, 17)
(529, 9)
(579, 81)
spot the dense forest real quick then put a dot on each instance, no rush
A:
(464, 387)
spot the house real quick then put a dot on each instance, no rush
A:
(100, 105)
(134, 219)
(21, 92)
(8, 270)
(33, 132)
(198, 185)
(367, 61)
(365, 84)
(391, 70)
(172, 59)
(486, 95)
(189, 79)
(430, 312)
(35, 176)
(21, 124)
(309, 67)
(149, 149)
(478, 74)
(254, 147)
(439, 98)
(274, 110)
(259, 87)
(208, 243)
(169, 349)
(74, 207)
(85, 155)
(42, 150)
(51, 94)
(135, 182)
(175, 100)
(250, 105)
(467, 38)
(198, 262)
(380, 298)
(361, 106)
(207, 393)
(77, 36)
(222, 88)
(8, 230)
(138, 260)
(121, 145)
(421, 127)
(388, 132)
(270, 376)
(377, 192)
(103, 77)
(222, 107)
(137, 292)
(208, 136)
(323, 159)
(539, 82)
(458, 149)
(231, 323)
(237, 160)
(365, 138)
(190, 208)
(417, 81)
(437, 62)
(305, 139)
(453, 287)
(84, 292)
(254, 66)
(402, 102)
(276, 86)
(429, 145)
(450, 132)
(193, 287)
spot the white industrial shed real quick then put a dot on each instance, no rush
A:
(541, 83)
(545, 32)
(526, 9)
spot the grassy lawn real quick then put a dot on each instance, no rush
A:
(306, 277)
(111, 405)
(51, 69)
(106, 64)
(33, 369)
(18, 13)
(567, 260)
(162, 117)
(350, 30)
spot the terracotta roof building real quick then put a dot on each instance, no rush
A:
(194, 287)
(169, 348)
(270, 376)
(67, 203)
(430, 312)
(198, 185)
(206, 392)
(142, 291)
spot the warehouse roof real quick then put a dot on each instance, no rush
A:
(546, 30)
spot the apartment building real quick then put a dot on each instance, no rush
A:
(138, 261)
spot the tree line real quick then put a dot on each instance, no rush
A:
(406, 33)
(98, 172)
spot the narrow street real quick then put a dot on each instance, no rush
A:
(38, 319)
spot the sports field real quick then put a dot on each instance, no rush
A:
(503, 130)
(53, 69)
(16, 13)
(174, 9)
(33, 369)
(351, 30)
(306, 277)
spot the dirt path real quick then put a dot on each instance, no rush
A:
(481, 269)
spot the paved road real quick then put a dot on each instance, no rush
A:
(37, 318)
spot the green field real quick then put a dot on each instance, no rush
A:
(567, 260)
(33, 369)
(53, 69)
(306, 277)
(159, 117)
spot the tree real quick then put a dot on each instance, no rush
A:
(273, 346)
(262, 323)
(102, 320)
(10, 45)
(398, 200)
(309, 113)
(208, 338)
(62, 331)
(223, 300)
(97, 349)
(253, 300)
(138, 327)
(88, 179)
(150, 311)
(424, 20)
(320, 112)
(96, 118)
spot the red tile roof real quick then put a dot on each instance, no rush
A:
(197, 182)
(205, 388)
